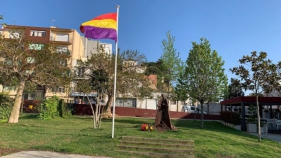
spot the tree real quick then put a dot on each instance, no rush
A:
(180, 94)
(153, 68)
(1, 18)
(160, 70)
(234, 89)
(204, 77)
(171, 60)
(96, 80)
(22, 63)
(131, 81)
(258, 74)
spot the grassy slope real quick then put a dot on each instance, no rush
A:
(75, 135)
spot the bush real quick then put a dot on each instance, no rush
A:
(252, 114)
(5, 106)
(230, 117)
(31, 106)
(64, 110)
(48, 109)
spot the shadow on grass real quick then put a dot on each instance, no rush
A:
(210, 126)
(83, 117)
(128, 120)
(131, 120)
(29, 116)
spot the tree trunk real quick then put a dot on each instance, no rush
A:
(93, 112)
(107, 109)
(259, 122)
(97, 112)
(14, 117)
(194, 115)
(202, 115)
(99, 116)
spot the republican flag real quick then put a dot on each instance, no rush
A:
(101, 27)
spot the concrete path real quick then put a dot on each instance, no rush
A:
(45, 154)
(273, 137)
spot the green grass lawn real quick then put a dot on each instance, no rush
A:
(76, 135)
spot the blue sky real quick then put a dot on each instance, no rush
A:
(233, 27)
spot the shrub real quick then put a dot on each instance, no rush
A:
(27, 106)
(252, 114)
(230, 117)
(63, 109)
(49, 108)
(5, 106)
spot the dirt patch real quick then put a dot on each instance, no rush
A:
(7, 151)
(108, 115)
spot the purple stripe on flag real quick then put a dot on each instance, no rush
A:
(100, 33)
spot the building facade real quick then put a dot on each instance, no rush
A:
(67, 40)
(79, 48)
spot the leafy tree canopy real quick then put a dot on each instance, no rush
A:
(204, 77)
(170, 58)
(257, 74)
(234, 89)
(21, 64)
(130, 79)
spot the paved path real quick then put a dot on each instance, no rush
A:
(273, 137)
(45, 154)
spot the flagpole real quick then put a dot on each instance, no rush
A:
(115, 71)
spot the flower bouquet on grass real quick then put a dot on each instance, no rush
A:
(146, 127)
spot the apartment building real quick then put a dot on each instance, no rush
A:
(68, 41)
(80, 48)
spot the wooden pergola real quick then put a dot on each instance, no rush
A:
(250, 100)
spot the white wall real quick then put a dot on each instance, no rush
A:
(214, 108)
(152, 104)
(107, 47)
(147, 104)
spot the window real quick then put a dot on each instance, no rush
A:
(37, 95)
(34, 46)
(29, 96)
(81, 72)
(63, 62)
(14, 35)
(62, 50)
(61, 89)
(58, 90)
(126, 102)
(9, 88)
(62, 37)
(30, 60)
(37, 33)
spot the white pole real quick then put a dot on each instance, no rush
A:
(115, 72)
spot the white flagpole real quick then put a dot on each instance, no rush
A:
(115, 71)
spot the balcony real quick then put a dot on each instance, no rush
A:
(67, 41)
